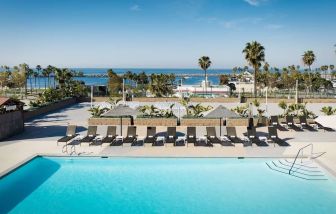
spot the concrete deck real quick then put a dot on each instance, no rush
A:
(41, 134)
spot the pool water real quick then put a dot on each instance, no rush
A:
(160, 185)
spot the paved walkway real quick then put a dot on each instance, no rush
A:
(41, 134)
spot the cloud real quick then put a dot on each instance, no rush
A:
(135, 7)
(238, 23)
(254, 3)
(274, 26)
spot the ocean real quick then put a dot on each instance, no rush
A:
(191, 80)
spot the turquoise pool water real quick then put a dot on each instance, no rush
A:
(160, 185)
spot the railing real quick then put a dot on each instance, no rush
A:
(297, 155)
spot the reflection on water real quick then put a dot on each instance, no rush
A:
(16, 186)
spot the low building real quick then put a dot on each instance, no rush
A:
(9, 104)
(201, 90)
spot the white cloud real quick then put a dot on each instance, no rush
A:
(254, 3)
(273, 26)
(135, 7)
(239, 23)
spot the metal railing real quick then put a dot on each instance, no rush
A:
(301, 152)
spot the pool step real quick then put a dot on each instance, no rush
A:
(307, 170)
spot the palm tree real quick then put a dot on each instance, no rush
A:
(204, 62)
(254, 54)
(38, 68)
(45, 75)
(35, 74)
(308, 59)
(24, 69)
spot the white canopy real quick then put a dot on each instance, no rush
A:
(327, 121)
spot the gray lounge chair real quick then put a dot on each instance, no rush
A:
(273, 136)
(252, 136)
(191, 135)
(171, 135)
(304, 123)
(70, 134)
(131, 135)
(111, 134)
(275, 122)
(91, 135)
(151, 136)
(213, 139)
(291, 124)
(232, 135)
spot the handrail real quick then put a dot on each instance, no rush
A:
(297, 155)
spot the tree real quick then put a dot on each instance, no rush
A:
(162, 84)
(205, 63)
(24, 69)
(308, 59)
(35, 74)
(38, 68)
(255, 55)
(114, 82)
(224, 79)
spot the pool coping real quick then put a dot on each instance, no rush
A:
(32, 157)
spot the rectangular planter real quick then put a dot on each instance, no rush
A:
(49, 108)
(101, 121)
(155, 121)
(200, 122)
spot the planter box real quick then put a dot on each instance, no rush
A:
(240, 122)
(101, 121)
(200, 122)
(49, 108)
(155, 121)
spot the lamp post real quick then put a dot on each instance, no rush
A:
(123, 90)
(91, 96)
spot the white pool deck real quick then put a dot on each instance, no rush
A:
(41, 134)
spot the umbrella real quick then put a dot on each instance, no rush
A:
(221, 112)
(327, 121)
(120, 111)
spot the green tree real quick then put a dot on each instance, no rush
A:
(162, 84)
(114, 82)
(205, 63)
(255, 55)
(38, 69)
(308, 59)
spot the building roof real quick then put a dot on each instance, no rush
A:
(221, 112)
(120, 111)
(3, 100)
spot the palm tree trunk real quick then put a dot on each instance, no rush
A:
(206, 82)
(31, 88)
(35, 86)
(255, 82)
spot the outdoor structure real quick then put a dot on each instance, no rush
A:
(212, 90)
(11, 117)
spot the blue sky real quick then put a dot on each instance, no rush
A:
(164, 33)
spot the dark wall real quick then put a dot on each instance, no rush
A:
(11, 123)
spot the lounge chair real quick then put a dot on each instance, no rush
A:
(70, 134)
(290, 123)
(320, 126)
(151, 136)
(213, 139)
(275, 122)
(273, 136)
(232, 135)
(111, 134)
(304, 123)
(91, 135)
(252, 136)
(171, 136)
(191, 135)
(131, 137)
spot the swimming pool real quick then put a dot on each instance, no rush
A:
(160, 185)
